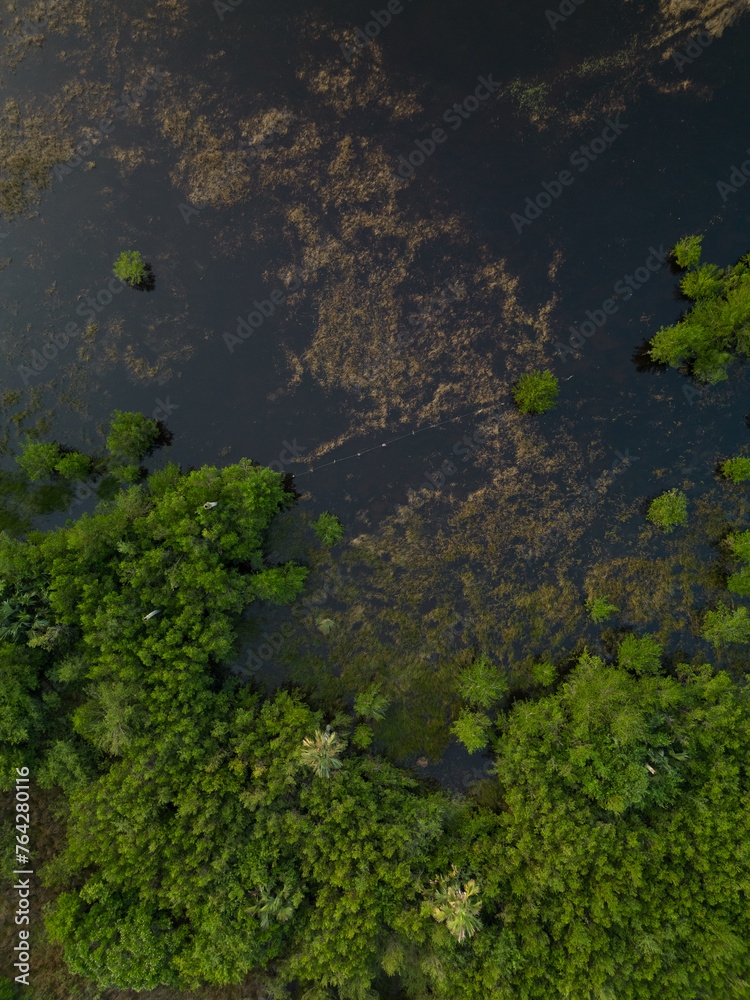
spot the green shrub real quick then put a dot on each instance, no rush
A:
(726, 625)
(131, 435)
(131, 267)
(687, 251)
(481, 685)
(536, 391)
(599, 610)
(328, 528)
(669, 510)
(372, 704)
(74, 466)
(703, 282)
(472, 729)
(739, 583)
(38, 460)
(736, 469)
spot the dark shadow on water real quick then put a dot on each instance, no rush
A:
(643, 361)
(149, 282)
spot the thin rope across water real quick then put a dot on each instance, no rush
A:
(385, 444)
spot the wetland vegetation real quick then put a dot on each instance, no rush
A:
(295, 730)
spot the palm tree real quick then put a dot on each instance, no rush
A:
(458, 910)
(321, 752)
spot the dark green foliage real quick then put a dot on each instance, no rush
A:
(131, 436)
(536, 391)
(725, 624)
(74, 466)
(687, 251)
(717, 327)
(39, 460)
(642, 656)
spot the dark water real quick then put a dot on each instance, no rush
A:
(654, 183)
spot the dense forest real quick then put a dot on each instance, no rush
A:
(211, 832)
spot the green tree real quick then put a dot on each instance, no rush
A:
(39, 460)
(130, 267)
(371, 704)
(669, 510)
(481, 685)
(536, 392)
(458, 908)
(73, 466)
(328, 528)
(642, 656)
(687, 251)
(131, 435)
(724, 624)
(736, 469)
(472, 729)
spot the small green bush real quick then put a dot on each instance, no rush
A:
(703, 282)
(372, 704)
(74, 466)
(481, 685)
(328, 528)
(599, 609)
(472, 729)
(736, 469)
(536, 391)
(131, 435)
(131, 267)
(687, 251)
(39, 460)
(669, 510)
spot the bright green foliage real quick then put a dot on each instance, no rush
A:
(599, 609)
(39, 460)
(131, 435)
(458, 908)
(739, 582)
(74, 466)
(472, 729)
(544, 673)
(669, 510)
(481, 685)
(536, 391)
(131, 267)
(328, 528)
(687, 251)
(372, 704)
(362, 737)
(717, 327)
(726, 625)
(642, 656)
(321, 752)
(126, 473)
(736, 469)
